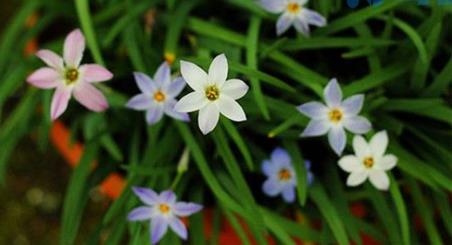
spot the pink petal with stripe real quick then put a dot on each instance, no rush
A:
(74, 45)
(90, 97)
(51, 59)
(60, 101)
(44, 78)
(95, 73)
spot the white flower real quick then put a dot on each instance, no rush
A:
(369, 161)
(212, 93)
(335, 116)
(293, 13)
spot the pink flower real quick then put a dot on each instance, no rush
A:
(70, 78)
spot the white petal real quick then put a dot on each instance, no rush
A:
(337, 139)
(379, 143)
(195, 77)
(361, 147)
(273, 6)
(231, 109)
(350, 164)
(356, 178)
(387, 162)
(218, 70)
(283, 23)
(333, 94)
(316, 128)
(313, 18)
(379, 179)
(235, 88)
(301, 25)
(191, 102)
(357, 124)
(353, 104)
(208, 118)
(314, 110)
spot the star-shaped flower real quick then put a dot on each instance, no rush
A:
(163, 211)
(369, 161)
(293, 13)
(281, 175)
(213, 94)
(158, 95)
(70, 78)
(336, 115)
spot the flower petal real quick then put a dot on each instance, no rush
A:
(350, 164)
(140, 102)
(74, 45)
(283, 23)
(379, 179)
(178, 227)
(314, 110)
(51, 59)
(280, 156)
(268, 168)
(140, 213)
(333, 94)
(154, 114)
(60, 101)
(357, 124)
(208, 118)
(184, 209)
(231, 109)
(288, 194)
(174, 88)
(387, 162)
(337, 139)
(159, 227)
(218, 70)
(169, 110)
(271, 187)
(301, 25)
(273, 6)
(235, 88)
(167, 196)
(44, 78)
(353, 104)
(90, 97)
(356, 178)
(146, 195)
(195, 77)
(95, 73)
(313, 18)
(191, 102)
(145, 83)
(163, 75)
(360, 147)
(379, 143)
(307, 164)
(316, 128)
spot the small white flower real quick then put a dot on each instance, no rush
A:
(369, 161)
(293, 13)
(335, 116)
(212, 93)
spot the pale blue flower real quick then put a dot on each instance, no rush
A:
(293, 13)
(158, 95)
(336, 115)
(281, 175)
(162, 211)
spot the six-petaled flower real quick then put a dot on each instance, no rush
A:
(293, 13)
(158, 96)
(336, 115)
(369, 161)
(162, 210)
(70, 78)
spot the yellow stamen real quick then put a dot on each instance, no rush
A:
(170, 57)
(293, 8)
(159, 96)
(71, 75)
(164, 208)
(284, 175)
(368, 162)
(212, 93)
(335, 115)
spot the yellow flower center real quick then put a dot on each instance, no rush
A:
(212, 93)
(335, 115)
(71, 75)
(293, 8)
(284, 175)
(164, 208)
(159, 96)
(368, 162)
